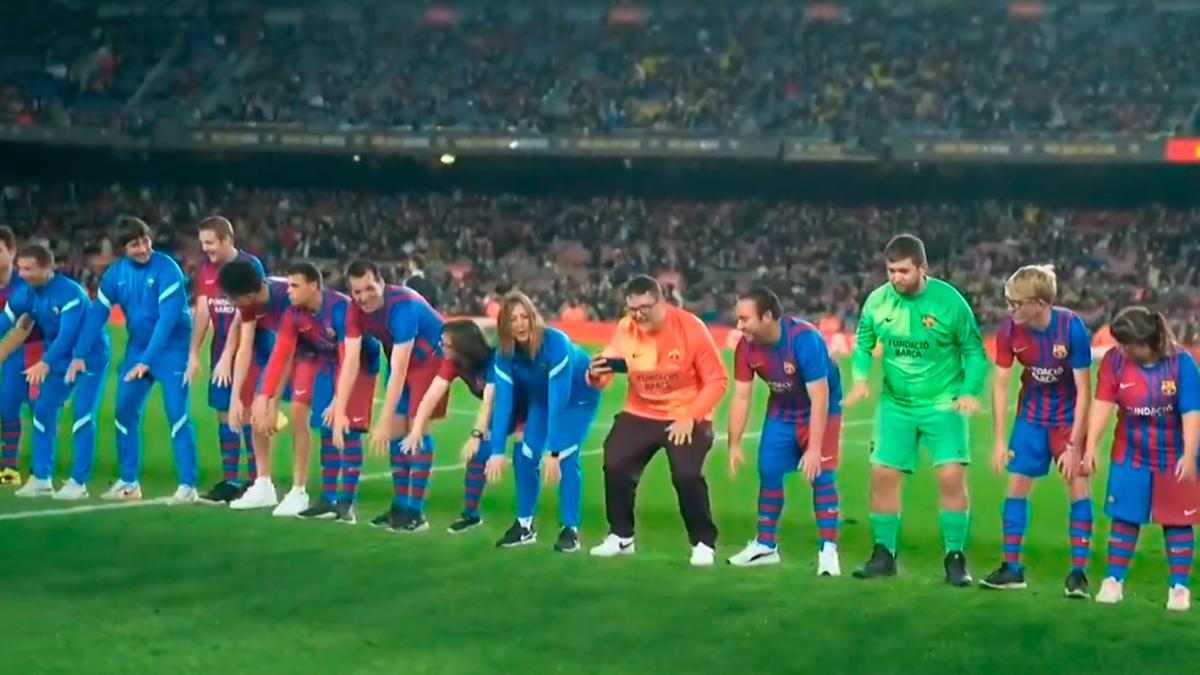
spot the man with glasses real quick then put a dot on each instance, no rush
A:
(676, 379)
(934, 367)
(1053, 346)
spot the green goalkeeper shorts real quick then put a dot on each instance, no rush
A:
(901, 431)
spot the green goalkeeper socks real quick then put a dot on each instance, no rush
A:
(954, 529)
(885, 529)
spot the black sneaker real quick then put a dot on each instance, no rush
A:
(956, 569)
(882, 563)
(322, 510)
(413, 522)
(393, 517)
(1076, 585)
(223, 492)
(465, 522)
(1006, 578)
(568, 541)
(345, 513)
(517, 535)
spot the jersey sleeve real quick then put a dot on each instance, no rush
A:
(448, 370)
(557, 351)
(502, 401)
(97, 315)
(1108, 381)
(1080, 344)
(281, 355)
(354, 321)
(812, 355)
(18, 303)
(970, 344)
(206, 282)
(71, 316)
(741, 361)
(403, 322)
(1189, 384)
(172, 302)
(710, 370)
(1004, 344)
(864, 345)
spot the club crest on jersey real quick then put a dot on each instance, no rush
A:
(674, 354)
(1169, 388)
(1060, 351)
(789, 368)
(929, 321)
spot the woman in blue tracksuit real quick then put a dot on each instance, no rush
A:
(541, 366)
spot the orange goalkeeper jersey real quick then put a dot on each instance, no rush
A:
(673, 373)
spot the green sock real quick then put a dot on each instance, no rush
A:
(954, 529)
(885, 529)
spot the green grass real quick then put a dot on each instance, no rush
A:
(202, 589)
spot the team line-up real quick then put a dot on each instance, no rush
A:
(290, 339)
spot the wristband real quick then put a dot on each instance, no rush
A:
(475, 433)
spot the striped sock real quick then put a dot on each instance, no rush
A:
(770, 508)
(422, 463)
(331, 463)
(231, 445)
(1080, 533)
(1122, 541)
(400, 473)
(10, 435)
(352, 461)
(1015, 518)
(473, 482)
(251, 461)
(1181, 548)
(825, 508)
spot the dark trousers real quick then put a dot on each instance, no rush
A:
(630, 445)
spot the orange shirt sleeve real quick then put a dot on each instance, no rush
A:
(709, 368)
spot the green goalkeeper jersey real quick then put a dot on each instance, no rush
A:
(932, 351)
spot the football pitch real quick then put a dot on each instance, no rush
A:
(148, 588)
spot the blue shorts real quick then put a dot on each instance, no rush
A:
(1139, 495)
(1033, 446)
(780, 448)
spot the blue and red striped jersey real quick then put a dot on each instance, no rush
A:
(6, 292)
(318, 335)
(787, 367)
(404, 317)
(1050, 357)
(476, 382)
(268, 316)
(221, 309)
(1151, 402)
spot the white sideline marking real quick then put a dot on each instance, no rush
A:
(90, 508)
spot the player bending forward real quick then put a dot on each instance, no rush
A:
(802, 429)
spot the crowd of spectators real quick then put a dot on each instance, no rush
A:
(573, 253)
(858, 71)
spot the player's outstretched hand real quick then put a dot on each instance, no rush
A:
(469, 449)
(599, 367)
(340, 424)
(999, 458)
(222, 374)
(551, 470)
(1185, 469)
(77, 366)
(193, 367)
(968, 405)
(810, 464)
(36, 373)
(137, 372)
(736, 459)
(858, 393)
(411, 444)
(680, 431)
(1068, 463)
(495, 468)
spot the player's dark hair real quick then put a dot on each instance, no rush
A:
(765, 301)
(362, 267)
(218, 225)
(471, 348)
(643, 284)
(130, 229)
(309, 271)
(1139, 326)
(8, 237)
(41, 254)
(905, 247)
(239, 277)
(416, 262)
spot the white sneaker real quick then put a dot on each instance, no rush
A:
(1111, 592)
(36, 487)
(828, 564)
(123, 492)
(260, 495)
(614, 546)
(185, 494)
(703, 555)
(1179, 599)
(753, 555)
(71, 491)
(295, 501)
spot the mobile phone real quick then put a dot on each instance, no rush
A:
(618, 365)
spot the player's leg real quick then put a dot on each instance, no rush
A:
(358, 409)
(527, 461)
(229, 441)
(169, 373)
(14, 393)
(1080, 516)
(474, 481)
(570, 487)
(893, 454)
(1028, 459)
(53, 395)
(397, 516)
(945, 433)
(778, 455)
(631, 443)
(421, 462)
(260, 493)
(1128, 505)
(306, 417)
(826, 501)
(687, 475)
(85, 407)
(325, 508)
(1174, 505)
(130, 404)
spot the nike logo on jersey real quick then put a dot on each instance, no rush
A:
(888, 319)
(358, 420)
(1126, 385)
(299, 392)
(1189, 512)
(1018, 351)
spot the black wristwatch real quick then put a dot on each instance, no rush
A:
(554, 455)
(475, 433)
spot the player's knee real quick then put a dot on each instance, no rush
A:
(1019, 485)
(885, 478)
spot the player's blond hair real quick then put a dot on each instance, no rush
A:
(1033, 282)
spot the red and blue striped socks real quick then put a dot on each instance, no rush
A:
(1181, 549)
(826, 508)
(1122, 542)
(352, 461)
(231, 447)
(10, 443)
(1015, 518)
(331, 465)
(1080, 532)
